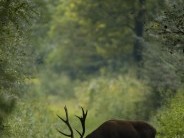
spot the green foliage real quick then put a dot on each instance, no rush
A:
(14, 51)
(82, 46)
(50, 83)
(41, 44)
(168, 26)
(7, 103)
(163, 61)
(38, 118)
(116, 96)
(31, 119)
(90, 35)
(169, 119)
(163, 71)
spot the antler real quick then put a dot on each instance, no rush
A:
(82, 120)
(67, 123)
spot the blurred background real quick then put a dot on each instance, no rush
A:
(117, 59)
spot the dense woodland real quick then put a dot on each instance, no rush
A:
(118, 59)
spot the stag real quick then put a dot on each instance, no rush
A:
(112, 128)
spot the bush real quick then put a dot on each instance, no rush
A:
(32, 119)
(49, 83)
(115, 96)
(169, 120)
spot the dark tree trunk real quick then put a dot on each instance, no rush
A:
(139, 29)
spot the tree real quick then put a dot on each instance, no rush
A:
(41, 44)
(169, 26)
(163, 61)
(14, 52)
(108, 31)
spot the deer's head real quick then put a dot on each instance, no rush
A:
(112, 128)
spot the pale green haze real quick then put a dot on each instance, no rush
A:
(121, 59)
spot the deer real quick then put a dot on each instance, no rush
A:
(113, 128)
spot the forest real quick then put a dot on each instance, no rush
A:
(120, 59)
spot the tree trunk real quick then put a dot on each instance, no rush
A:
(139, 29)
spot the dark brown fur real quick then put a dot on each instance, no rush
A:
(123, 129)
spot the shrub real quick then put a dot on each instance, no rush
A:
(169, 120)
(115, 96)
(32, 119)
